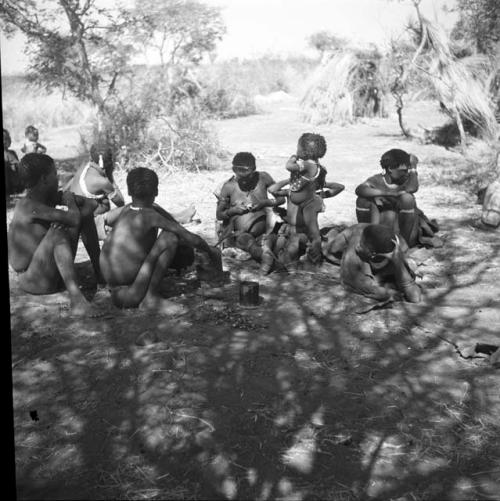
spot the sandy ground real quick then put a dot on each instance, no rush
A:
(304, 397)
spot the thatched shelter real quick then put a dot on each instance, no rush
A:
(345, 86)
(463, 86)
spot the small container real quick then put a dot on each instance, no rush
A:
(249, 293)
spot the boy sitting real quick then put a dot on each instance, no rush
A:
(373, 263)
(389, 199)
(31, 145)
(135, 257)
(43, 238)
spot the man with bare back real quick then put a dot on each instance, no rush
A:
(44, 231)
(145, 241)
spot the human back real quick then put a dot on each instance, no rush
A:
(129, 242)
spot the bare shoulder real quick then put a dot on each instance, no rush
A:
(266, 178)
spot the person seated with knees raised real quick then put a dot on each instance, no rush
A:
(144, 242)
(307, 188)
(242, 207)
(389, 199)
(373, 262)
(44, 232)
(31, 144)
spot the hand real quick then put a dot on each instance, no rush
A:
(413, 161)
(238, 210)
(259, 205)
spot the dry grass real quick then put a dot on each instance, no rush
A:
(456, 84)
(328, 97)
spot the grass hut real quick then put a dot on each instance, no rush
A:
(344, 87)
(461, 85)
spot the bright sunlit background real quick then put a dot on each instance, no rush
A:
(281, 27)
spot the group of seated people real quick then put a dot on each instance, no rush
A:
(276, 223)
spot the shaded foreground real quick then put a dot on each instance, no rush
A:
(301, 398)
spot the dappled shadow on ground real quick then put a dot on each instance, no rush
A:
(303, 397)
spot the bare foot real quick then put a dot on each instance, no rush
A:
(162, 306)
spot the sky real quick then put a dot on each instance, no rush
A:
(281, 27)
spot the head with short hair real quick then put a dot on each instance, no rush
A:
(31, 133)
(243, 163)
(142, 183)
(34, 166)
(7, 141)
(392, 159)
(377, 239)
(311, 146)
(102, 150)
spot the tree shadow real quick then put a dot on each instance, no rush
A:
(300, 398)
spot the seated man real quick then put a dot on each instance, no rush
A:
(135, 257)
(11, 161)
(31, 144)
(44, 231)
(388, 199)
(372, 262)
(241, 206)
(95, 180)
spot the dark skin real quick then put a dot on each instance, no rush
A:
(43, 240)
(135, 257)
(403, 181)
(305, 219)
(364, 271)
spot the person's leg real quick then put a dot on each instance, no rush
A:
(248, 243)
(366, 210)
(268, 256)
(310, 215)
(88, 232)
(52, 268)
(294, 249)
(408, 219)
(405, 280)
(144, 291)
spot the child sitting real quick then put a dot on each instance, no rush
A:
(136, 255)
(307, 188)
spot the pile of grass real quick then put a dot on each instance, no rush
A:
(461, 85)
(338, 91)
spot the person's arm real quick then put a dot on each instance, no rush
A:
(70, 217)
(224, 208)
(276, 189)
(411, 184)
(368, 190)
(292, 165)
(268, 202)
(158, 221)
(333, 189)
(357, 275)
(98, 183)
